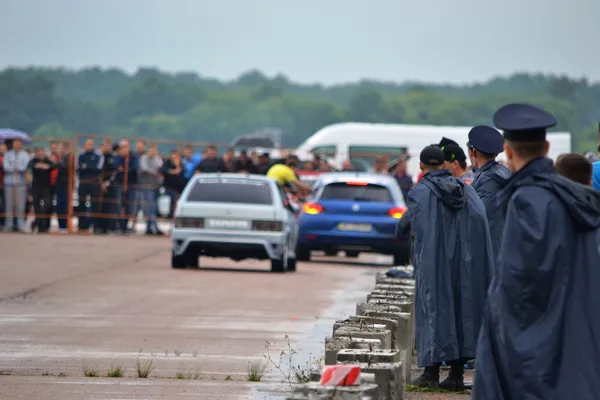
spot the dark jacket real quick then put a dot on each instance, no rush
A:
(41, 177)
(89, 165)
(448, 217)
(541, 328)
(248, 166)
(211, 165)
(172, 181)
(132, 168)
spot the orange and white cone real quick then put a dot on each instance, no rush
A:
(341, 375)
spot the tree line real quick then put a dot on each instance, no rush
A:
(186, 106)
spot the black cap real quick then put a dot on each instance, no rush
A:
(486, 139)
(454, 153)
(432, 155)
(445, 142)
(523, 122)
(265, 154)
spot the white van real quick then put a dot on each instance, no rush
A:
(362, 142)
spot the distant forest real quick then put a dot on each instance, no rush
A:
(186, 106)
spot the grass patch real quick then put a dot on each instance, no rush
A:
(144, 367)
(177, 352)
(256, 371)
(115, 371)
(228, 378)
(91, 371)
(187, 375)
(413, 388)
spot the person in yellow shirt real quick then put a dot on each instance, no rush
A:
(285, 174)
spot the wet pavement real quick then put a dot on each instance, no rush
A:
(71, 304)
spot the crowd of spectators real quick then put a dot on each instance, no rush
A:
(115, 183)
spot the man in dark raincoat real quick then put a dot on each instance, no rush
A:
(485, 143)
(453, 265)
(541, 332)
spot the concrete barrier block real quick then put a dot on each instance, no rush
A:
(389, 323)
(382, 305)
(399, 297)
(368, 357)
(394, 281)
(405, 336)
(314, 391)
(366, 332)
(389, 378)
(334, 344)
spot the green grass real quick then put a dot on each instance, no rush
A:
(256, 371)
(144, 368)
(90, 371)
(413, 388)
(115, 371)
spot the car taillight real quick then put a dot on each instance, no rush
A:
(194, 223)
(267, 225)
(312, 208)
(396, 212)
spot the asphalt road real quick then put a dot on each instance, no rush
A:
(71, 304)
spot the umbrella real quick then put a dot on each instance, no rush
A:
(11, 134)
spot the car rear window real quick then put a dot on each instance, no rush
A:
(225, 190)
(345, 191)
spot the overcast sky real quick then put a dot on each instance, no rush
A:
(327, 41)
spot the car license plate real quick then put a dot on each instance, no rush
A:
(228, 224)
(355, 227)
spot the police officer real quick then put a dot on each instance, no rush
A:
(541, 332)
(485, 145)
(89, 165)
(107, 208)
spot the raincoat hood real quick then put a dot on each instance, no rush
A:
(498, 172)
(450, 190)
(581, 202)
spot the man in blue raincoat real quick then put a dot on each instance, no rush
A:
(485, 143)
(453, 265)
(541, 332)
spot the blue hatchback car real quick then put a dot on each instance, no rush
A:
(355, 213)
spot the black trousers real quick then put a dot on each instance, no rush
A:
(93, 191)
(107, 208)
(42, 206)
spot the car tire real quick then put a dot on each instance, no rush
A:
(194, 261)
(302, 254)
(331, 253)
(291, 264)
(277, 265)
(352, 254)
(178, 261)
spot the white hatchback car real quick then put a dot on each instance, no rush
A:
(235, 216)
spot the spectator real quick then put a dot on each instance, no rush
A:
(244, 164)
(228, 160)
(15, 163)
(149, 181)
(264, 163)
(174, 178)
(211, 162)
(596, 172)
(308, 166)
(325, 167)
(126, 186)
(3, 150)
(41, 168)
(140, 148)
(347, 166)
(404, 180)
(108, 206)
(381, 165)
(89, 165)
(316, 163)
(62, 186)
(190, 160)
(575, 167)
(55, 149)
(254, 157)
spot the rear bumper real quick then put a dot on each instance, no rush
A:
(351, 241)
(234, 245)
